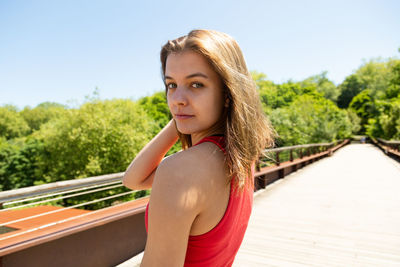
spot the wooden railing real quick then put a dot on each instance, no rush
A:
(109, 236)
(293, 152)
(271, 168)
(391, 148)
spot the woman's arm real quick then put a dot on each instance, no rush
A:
(140, 173)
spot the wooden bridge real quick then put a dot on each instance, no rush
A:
(343, 210)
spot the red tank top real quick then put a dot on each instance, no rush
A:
(218, 247)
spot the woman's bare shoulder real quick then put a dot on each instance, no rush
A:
(191, 170)
(198, 161)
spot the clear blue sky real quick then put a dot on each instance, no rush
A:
(61, 50)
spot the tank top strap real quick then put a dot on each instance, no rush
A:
(219, 140)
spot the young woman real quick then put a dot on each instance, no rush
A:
(202, 196)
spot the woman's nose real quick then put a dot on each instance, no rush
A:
(179, 96)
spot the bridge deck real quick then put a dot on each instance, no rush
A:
(340, 211)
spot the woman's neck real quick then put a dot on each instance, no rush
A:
(196, 137)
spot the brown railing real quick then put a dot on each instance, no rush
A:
(112, 235)
(391, 148)
(278, 162)
(293, 152)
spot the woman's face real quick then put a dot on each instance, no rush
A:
(194, 93)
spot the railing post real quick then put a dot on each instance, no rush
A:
(291, 154)
(301, 153)
(277, 158)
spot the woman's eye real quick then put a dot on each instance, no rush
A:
(171, 85)
(197, 85)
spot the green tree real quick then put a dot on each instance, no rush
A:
(300, 113)
(156, 108)
(98, 138)
(280, 95)
(363, 105)
(351, 87)
(375, 75)
(267, 91)
(12, 124)
(41, 114)
(386, 124)
(354, 120)
(323, 85)
(310, 119)
(377, 102)
(393, 90)
(18, 162)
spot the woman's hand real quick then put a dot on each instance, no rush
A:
(140, 173)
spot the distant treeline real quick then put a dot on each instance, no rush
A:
(53, 142)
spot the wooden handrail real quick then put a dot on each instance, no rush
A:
(391, 148)
(269, 174)
(386, 142)
(311, 149)
(395, 145)
(280, 149)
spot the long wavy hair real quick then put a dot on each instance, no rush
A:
(246, 129)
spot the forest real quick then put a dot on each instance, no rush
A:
(53, 142)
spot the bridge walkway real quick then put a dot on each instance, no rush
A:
(343, 210)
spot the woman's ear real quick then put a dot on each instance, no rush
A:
(227, 102)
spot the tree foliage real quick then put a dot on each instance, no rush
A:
(309, 119)
(156, 107)
(18, 162)
(350, 87)
(364, 106)
(41, 114)
(300, 113)
(99, 138)
(377, 100)
(323, 85)
(12, 124)
(375, 75)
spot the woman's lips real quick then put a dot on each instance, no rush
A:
(183, 116)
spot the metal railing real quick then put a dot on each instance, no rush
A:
(58, 187)
(67, 193)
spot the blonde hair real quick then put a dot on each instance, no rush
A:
(247, 130)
